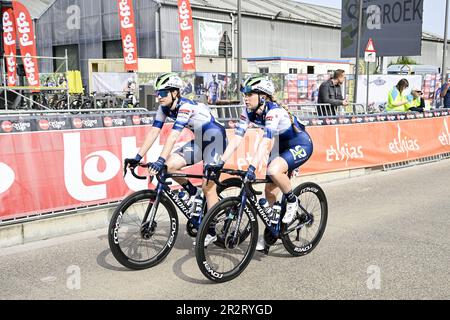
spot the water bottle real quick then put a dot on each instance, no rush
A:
(184, 196)
(276, 211)
(265, 205)
(198, 206)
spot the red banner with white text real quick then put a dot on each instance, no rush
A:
(54, 170)
(128, 32)
(186, 35)
(27, 43)
(9, 45)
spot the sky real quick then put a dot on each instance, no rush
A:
(433, 15)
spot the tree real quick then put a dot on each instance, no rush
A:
(403, 60)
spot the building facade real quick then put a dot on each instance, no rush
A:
(292, 31)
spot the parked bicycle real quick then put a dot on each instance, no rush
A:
(144, 227)
(236, 216)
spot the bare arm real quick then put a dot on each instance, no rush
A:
(261, 153)
(149, 140)
(232, 147)
(168, 146)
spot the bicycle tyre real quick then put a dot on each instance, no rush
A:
(297, 251)
(225, 205)
(118, 253)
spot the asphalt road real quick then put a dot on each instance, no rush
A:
(387, 238)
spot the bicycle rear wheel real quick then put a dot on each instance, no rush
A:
(136, 244)
(228, 256)
(304, 233)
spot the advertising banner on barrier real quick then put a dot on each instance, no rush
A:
(60, 169)
(9, 45)
(186, 34)
(27, 43)
(128, 32)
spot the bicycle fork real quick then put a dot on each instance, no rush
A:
(147, 226)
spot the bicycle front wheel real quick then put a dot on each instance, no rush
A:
(227, 257)
(135, 243)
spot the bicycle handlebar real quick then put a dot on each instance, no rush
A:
(209, 176)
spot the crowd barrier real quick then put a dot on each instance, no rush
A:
(50, 162)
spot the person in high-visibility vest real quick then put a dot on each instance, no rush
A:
(397, 97)
(417, 103)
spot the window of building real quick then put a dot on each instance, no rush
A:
(310, 70)
(293, 70)
(264, 70)
(72, 55)
(112, 49)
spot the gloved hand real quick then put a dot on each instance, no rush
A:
(157, 166)
(132, 163)
(251, 175)
(214, 167)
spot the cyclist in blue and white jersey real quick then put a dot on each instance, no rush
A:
(286, 138)
(208, 144)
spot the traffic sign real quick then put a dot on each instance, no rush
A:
(370, 47)
(370, 56)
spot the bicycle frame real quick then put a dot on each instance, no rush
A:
(163, 187)
(248, 194)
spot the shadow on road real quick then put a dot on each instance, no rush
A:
(184, 242)
(101, 261)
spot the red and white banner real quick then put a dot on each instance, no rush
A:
(27, 43)
(128, 32)
(54, 170)
(186, 35)
(9, 44)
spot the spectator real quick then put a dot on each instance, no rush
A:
(437, 101)
(445, 93)
(417, 103)
(213, 90)
(397, 97)
(330, 92)
(62, 81)
(130, 97)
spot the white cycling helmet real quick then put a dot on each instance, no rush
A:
(168, 81)
(258, 85)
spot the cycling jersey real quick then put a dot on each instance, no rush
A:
(209, 143)
(274, 119)
(294, 147)
(187, 114)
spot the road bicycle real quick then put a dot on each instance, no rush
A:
(144, 227)
(228, 257)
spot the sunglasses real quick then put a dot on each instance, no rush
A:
(247, 91)
(162, 93)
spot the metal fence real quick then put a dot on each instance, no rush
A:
(233, 112)
(73, 111)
